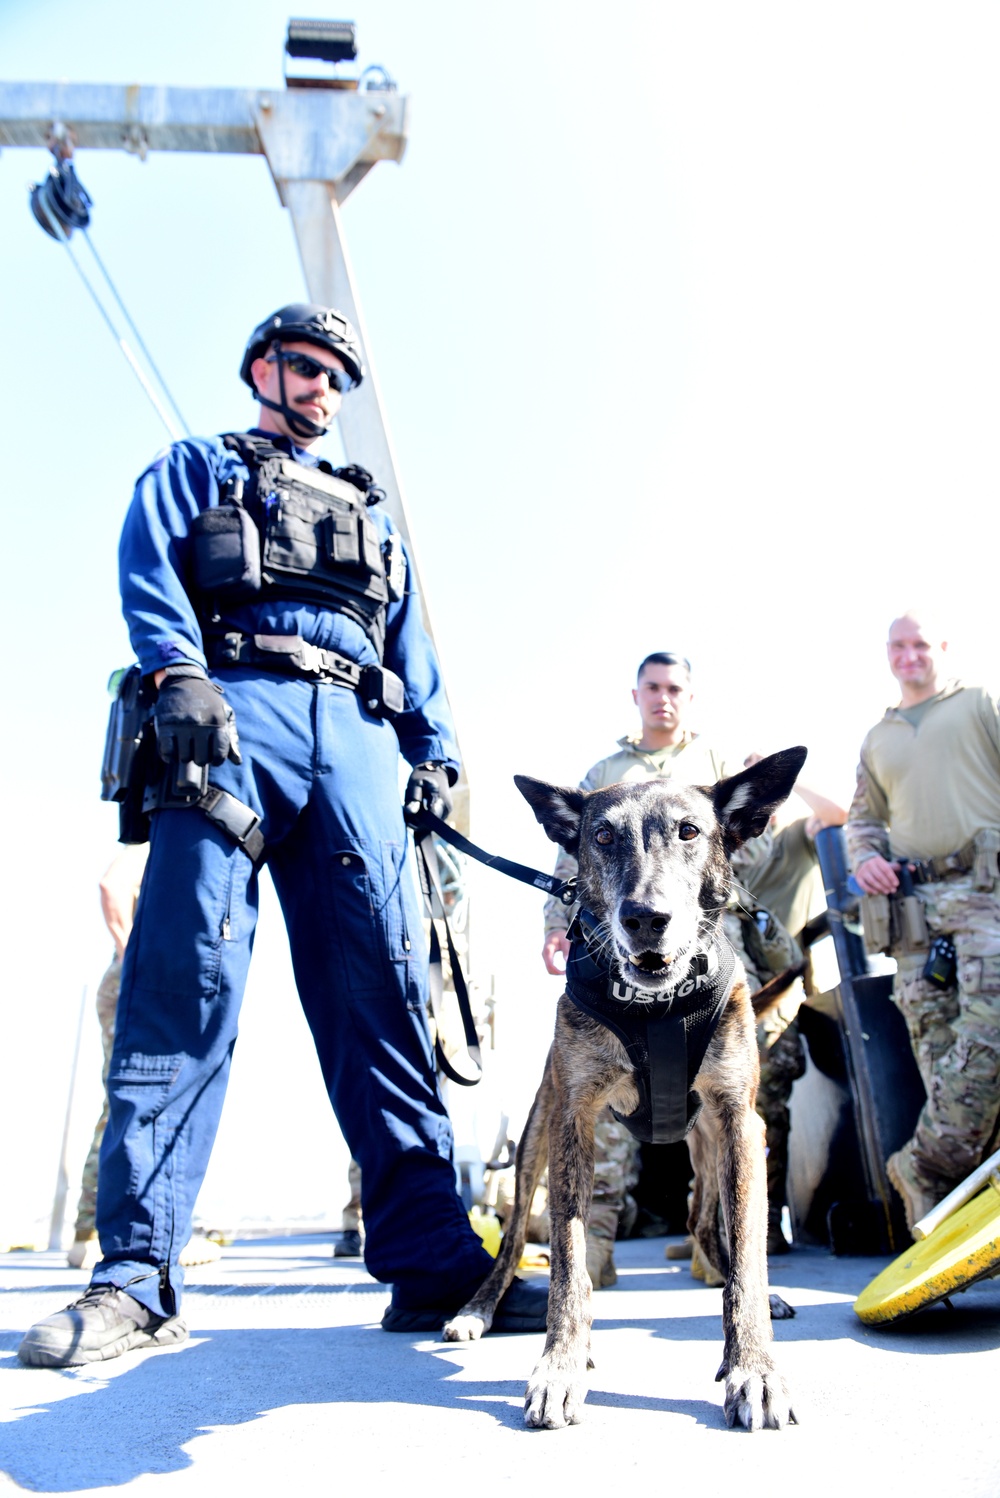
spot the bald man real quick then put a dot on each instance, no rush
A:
(928, 798)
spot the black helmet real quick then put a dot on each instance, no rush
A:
(305, 322)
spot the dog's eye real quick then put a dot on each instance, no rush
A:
(604, 836)
(687, 831)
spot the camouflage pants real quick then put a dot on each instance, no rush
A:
(351, 1220)
(107, 1004)
(955, 1032)
(616, 1171)
(782, 1062)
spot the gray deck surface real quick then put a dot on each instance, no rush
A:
(287, 1384)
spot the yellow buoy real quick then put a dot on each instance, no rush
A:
(965, 1247)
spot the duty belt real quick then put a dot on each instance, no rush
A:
(381, 689)
(927, 870)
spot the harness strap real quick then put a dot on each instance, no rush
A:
(666, 1038)
(235, 819)
(564, 890)
(239, 822)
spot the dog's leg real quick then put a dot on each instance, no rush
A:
(558, 1385)
(476, 1318)
(756, 1394)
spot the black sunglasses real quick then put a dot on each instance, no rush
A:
(308, 369)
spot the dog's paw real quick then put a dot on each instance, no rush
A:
(467, 1326)
(780, 1309)
(757, 1399)
(555, 1395)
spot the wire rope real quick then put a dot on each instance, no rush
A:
(136, 334)
(133, 363)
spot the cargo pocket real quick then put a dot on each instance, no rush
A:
(356, 901)
(394, 913)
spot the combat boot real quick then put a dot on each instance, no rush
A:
(777, 1243)
(702, 1270)
(601, 1263)
(348, 1245)
(917, 1198)
(102, 1324)
(84, 1252)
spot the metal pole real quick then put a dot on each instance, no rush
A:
(365, 431)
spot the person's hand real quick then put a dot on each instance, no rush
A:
(428, 789)
(877, 876)
(555, 952)
(194, 722)
(119, 888)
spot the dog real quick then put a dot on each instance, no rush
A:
(648, 952)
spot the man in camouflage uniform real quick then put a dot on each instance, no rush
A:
(667, 750)
(781, 873)
(119, 892)
(928, 795)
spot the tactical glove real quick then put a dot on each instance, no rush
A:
(194, 722)
(428, 789)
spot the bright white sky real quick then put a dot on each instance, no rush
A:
(686, 320)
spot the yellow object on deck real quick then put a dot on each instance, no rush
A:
(488, 1229)
(963, 1249)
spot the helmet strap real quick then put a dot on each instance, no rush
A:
(302, 426)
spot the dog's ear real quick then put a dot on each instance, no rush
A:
(746, 802)
(557, 807)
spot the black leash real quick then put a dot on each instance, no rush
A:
(424, 823)
(430, 887)
(562, 889)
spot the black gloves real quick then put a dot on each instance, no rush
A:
(428, 789)
(194, 722)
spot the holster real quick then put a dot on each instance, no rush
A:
(129, 749)
(876, 922)
(913, 931)
(908, 914)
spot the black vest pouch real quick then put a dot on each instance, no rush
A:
(352, 542)
(225, 552)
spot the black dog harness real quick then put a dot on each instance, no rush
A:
(666, 1035)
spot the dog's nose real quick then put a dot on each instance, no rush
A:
(642, 921)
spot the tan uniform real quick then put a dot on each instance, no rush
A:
(107, 1007)
(925, 790)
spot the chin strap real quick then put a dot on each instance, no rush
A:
(302, 426)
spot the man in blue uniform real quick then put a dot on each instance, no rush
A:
(268, 603)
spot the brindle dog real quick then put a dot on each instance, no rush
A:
(654, 877)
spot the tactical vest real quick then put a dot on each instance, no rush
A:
(666, 1037)
(297, 533)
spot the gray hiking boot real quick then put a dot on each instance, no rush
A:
(102, 1324)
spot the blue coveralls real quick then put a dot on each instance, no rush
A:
(322, 774)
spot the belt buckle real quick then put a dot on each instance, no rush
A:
(309, 658)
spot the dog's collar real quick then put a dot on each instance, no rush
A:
(589, 970)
